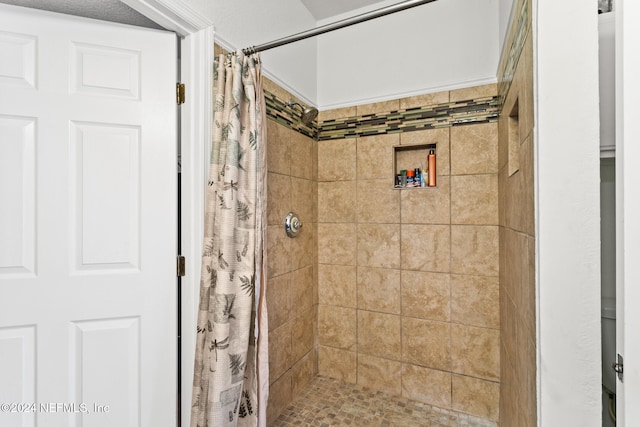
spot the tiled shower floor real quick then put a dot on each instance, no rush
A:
(326, 402)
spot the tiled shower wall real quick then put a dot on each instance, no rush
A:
(396, 290)
(517, 225)
(408, 286)
(291, 283)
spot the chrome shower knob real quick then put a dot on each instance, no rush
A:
(292, 224)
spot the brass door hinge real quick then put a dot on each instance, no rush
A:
(180, 93)
(180, 268)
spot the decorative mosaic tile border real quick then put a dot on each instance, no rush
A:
(517, 44)
(280, 112)
(474, 111)
(481, 110)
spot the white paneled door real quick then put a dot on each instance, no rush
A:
(88, 226)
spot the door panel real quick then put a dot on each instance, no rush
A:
(17, 183)
(88, 309)
(99, 151)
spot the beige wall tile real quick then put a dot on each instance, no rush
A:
(527, 169)
(302, 373)
(474, 92)
(279, 300)
(337, 201)
(336, 244)
(377, 202)
(338, 364)
(474, 199)
(302, 195)
(379, 245)
(517, 267)
(336, 160)
(511, 273)
(279, 196)
(525, 370)
(278, 90)
(314, 202)
(427, 206)
(515, 195)
(379, 374)
(425, 100)
(337, 327)
(508, 324)
(426, 295)
(278, 251)
(426, 343)
(279, 351)
(337, 285)
(475, 300)
(524, 79)
(529, 300)
(280, 394)
(530, 375)
(503, 137)
(474, 250)
(440, 137)
(278, 148)
(517, 253)
(502, 187)
(508, 405)
(302, 335)
(301, 156)
(475, 396)
(426, 385)
(375, 156)
(426, 247)
(303, 246)
(336, 114)
(474, 149)
(378, 107)
(475, 351)
(379, 334)
(379, 289)
(302, 289)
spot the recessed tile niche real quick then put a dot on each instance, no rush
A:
(407, 157)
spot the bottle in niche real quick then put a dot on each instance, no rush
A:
(431, 163)
(410, 177)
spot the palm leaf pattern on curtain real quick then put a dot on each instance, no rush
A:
(225, 381)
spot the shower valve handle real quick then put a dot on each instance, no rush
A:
(292, 224)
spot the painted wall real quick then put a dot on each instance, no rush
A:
(504, 14)
(430, 48)
(440, 46)
(244, 23)
(568, 217)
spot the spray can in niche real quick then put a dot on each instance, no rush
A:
(410, 177)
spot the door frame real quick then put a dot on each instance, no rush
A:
(196, 115)
(627, 14)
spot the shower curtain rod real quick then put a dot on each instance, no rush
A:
(337, 25)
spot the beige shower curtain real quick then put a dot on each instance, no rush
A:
(231, 368)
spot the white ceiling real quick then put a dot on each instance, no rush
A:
(321, 9)
(106, 10)
(116, 11)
